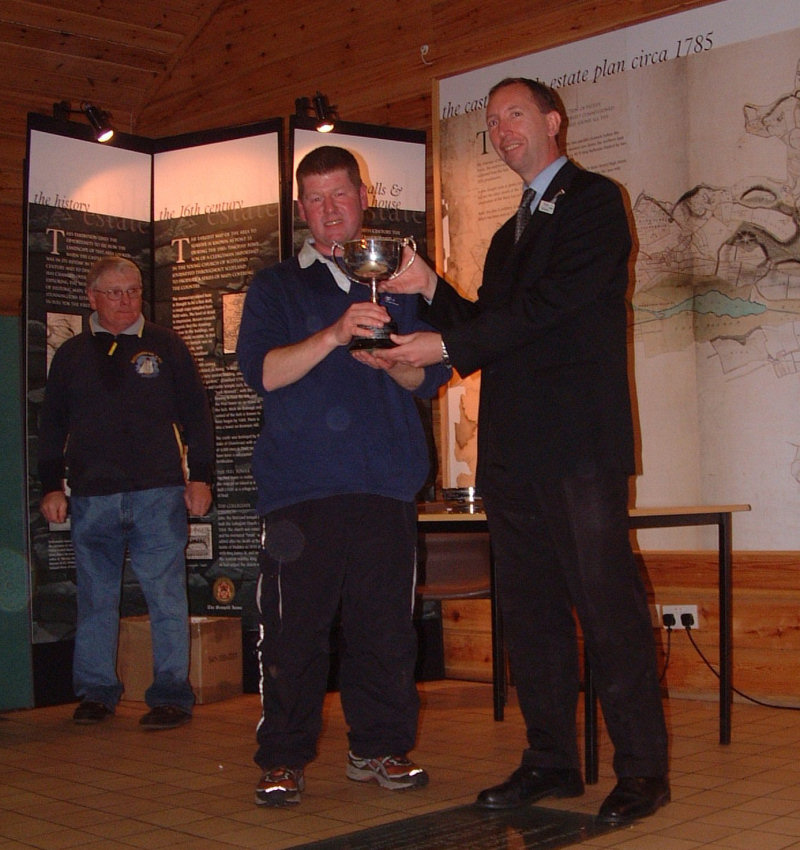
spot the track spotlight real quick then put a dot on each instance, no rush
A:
(319, 108)
(324, 112)
(103, 131)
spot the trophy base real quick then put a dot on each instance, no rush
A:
(368, 343)
(378, 339)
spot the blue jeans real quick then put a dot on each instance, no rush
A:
(153, 526)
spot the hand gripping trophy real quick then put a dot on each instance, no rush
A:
(369, 260)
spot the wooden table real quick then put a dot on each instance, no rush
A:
(440, 517)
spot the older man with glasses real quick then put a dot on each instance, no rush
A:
(127, 426)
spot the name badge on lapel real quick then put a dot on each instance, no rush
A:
(549, 207)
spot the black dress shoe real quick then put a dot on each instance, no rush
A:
(90, 711)
(528, 784)
(634, 797)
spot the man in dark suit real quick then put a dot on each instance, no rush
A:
(555, 450)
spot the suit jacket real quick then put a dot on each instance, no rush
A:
(549, 332)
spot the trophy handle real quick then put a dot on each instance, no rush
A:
(408, 241)
(334, 246)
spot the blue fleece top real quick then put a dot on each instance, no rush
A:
(344, 427)
(119, 411)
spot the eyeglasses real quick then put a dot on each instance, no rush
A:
(116, 294)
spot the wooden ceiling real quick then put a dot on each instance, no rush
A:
(113, 53)
(163, 67)
(167, 66)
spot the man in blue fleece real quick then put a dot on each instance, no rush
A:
(124, 411)
(338, 463)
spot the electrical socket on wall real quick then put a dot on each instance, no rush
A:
(677, 612)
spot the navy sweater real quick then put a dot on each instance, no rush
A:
(344, 427)
(119, 422)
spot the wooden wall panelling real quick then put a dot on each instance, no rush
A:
(264, 60)
(10, 182)
(134, 47)
(76, 79)
(467, 639)
(466, 34)
(766, 625)
(150, 24)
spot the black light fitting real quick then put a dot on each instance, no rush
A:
(319, 108)
(103, 131)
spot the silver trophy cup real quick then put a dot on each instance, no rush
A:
(368, 261)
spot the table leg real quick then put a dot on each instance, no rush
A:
(725, 628)
(498, 648)
(589, 723)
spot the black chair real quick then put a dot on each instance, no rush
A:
(459, 566)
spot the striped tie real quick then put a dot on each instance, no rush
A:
(524, 212)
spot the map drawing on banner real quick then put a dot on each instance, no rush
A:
(729, 252)
(707, 148)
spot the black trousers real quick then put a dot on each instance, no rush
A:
(360, 551)
(571, 550)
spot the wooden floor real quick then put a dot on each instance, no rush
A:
(113, 785)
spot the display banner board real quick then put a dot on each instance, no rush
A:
(84, 200)
(697, 116)
(199, 214)
(217, 221)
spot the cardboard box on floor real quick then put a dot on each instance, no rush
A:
(215, 668)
